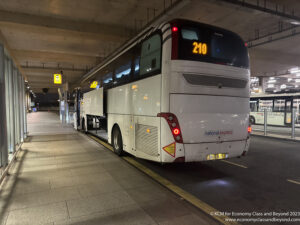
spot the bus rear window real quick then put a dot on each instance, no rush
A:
(207, 44)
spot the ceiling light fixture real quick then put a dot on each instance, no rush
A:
(283, 86)
(294, 70)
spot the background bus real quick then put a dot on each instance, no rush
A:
(177, 93)
(278, 106)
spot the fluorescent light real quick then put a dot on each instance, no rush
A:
(270, 85)
(294, 22)
(283, 86)
(271, 78)
(271, 81)
(294, 70)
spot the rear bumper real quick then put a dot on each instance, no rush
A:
(199, 152)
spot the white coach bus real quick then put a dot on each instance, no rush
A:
(178, 93)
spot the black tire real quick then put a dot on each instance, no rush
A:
(252, 120)
(117, 142)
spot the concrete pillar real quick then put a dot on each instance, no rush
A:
(63, 103)
(3, 105)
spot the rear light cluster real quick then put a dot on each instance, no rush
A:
(173, 124)
(249, 129)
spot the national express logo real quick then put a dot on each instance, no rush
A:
(218, 132)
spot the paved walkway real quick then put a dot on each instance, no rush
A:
(63, 177)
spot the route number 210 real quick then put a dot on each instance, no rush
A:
(200, 48)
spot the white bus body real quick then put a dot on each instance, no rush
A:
(278, 106)
(189, 111)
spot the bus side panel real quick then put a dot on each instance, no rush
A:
(134, 107)
(146, 98)
(119, 111)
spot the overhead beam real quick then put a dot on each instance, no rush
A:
(42, 56)
(266, 7)
(64, 24)
(52, 69)
(276, 36)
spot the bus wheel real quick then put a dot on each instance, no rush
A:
(117, 141)
(252, 120)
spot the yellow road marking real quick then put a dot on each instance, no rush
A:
(102, 142)
(174, 188)
(235, 164)
(293, 181)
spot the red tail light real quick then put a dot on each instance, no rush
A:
(173, 124)
(174, 29)
(175, 37)
(249, 129)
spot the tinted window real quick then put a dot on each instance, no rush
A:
(212, 45)
(123, 72)
(150, 55)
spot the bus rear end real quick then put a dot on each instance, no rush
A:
(208, 116)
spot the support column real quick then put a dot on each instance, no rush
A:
(25, 109)
(63, 103)
(3, 105)
(10, 106)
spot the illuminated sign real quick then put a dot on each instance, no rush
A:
(94, 84)
(57, 78)
(199, 48)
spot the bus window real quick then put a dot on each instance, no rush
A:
(107, 79)
(214, 45)
(123, 73)
(151, 55)
(136, 66)
(265, 104)
(189, 34)
(253, 106)
(279, 105)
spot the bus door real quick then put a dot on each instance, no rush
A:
(288, 112)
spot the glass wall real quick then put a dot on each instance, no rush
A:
(12, 108)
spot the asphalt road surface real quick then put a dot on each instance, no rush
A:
(266, 180)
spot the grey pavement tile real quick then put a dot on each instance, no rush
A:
(90, 178)
(189, 219)
(19, 186)
(148, 193)
(39, 215)
(38, 168)
(99, 187)
(45, 197)
(129, 215)
(102, 202)
(135, 181)
(59, 182)
(3, 215)
(164, 209)
(115, 164)
(89, 169)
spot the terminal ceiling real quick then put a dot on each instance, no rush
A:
(73, 36)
